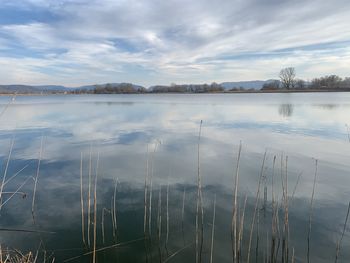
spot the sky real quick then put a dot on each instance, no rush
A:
(148, 42)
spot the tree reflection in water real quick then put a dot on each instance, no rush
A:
(286, 110)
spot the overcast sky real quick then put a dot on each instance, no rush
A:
(76, 42)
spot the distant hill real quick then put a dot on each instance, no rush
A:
(86, 87)
(52, 88)
(10, 89)
(27, 89)
(253, 84)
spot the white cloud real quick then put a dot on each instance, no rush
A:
(176, 41)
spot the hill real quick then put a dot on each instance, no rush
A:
(253, 84)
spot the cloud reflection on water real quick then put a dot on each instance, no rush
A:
(120, 127)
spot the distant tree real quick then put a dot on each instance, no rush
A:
(300, 84)
(287, 76)
(327, 82)
(142, 90)
(233, 89)
(333, 81)
(345, 83)
(108, 88)
(214, 87)
(273, 85)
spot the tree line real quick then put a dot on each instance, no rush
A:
(126, 88)
(288, 81)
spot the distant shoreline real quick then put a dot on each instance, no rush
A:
(192, 93)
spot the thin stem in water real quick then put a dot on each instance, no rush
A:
(37, 173)
(255, 208)
(310, 214)
(213, 232)
(82, 200)
(342, 235)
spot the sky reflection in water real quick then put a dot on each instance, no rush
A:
(300, 126)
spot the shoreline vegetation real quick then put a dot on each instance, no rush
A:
(287, 83)
(145, 93)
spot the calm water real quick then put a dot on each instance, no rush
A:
(117, 129)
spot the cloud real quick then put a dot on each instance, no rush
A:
(154, 41)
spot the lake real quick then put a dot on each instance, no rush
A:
(123, 141)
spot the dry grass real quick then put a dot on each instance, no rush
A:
(15, 256)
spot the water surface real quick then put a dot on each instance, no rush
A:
(117, 130)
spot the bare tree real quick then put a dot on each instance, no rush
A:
(300, 84)
(287, 76)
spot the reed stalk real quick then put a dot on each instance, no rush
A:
(255, 209)
(296, 185)
(6, 169)
(145, 197)
(199, 233)
(285, 244)
(95, 210)
(104, 210)
(342, 235)
(15, 192)
(177, 252)
(234, 212)
(283, 206)
(8, 104)
(17, 173)
(115, 225)
(82, 200)
(103, 225)
(105, 248)
(241, 228)
(183, 214)
(37, 173)
(213, 232)
(274, 214)
(145, 203)
(257, 235)
(167, 217)
(89, 197)
(150, 192)
(159, 222)
(310, 213)
(278, 231)
(112, 215)
(282, 179)
(266, 257)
